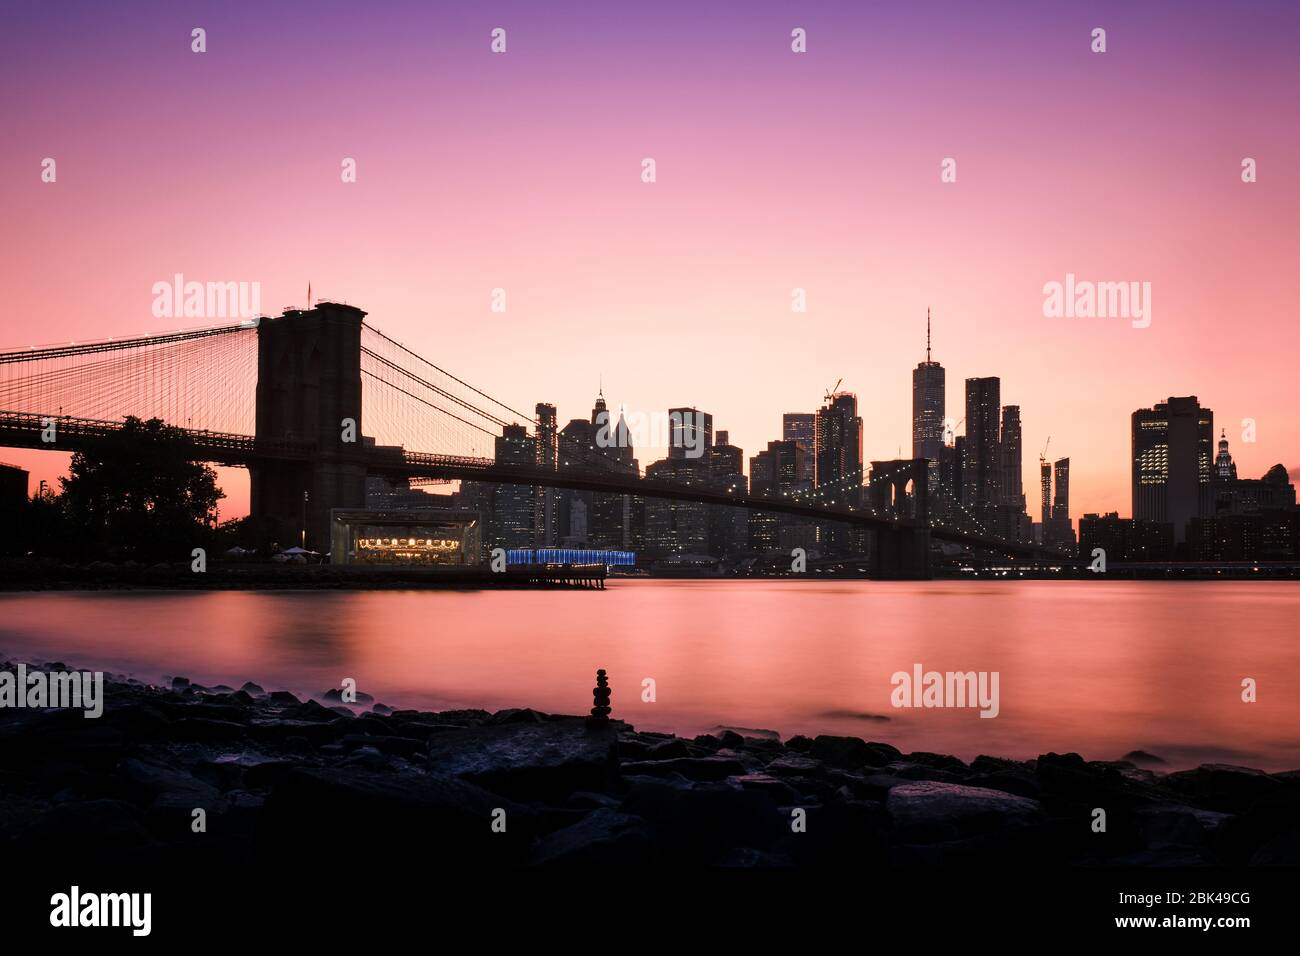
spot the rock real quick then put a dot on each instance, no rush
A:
(1281, 851)
(586, 800)
(253, 690)
(850, 753)
(603, 838)
(318, 818)
(841, 835)
(194, 728)
(179, 683)
(778, 790)
(631, 748)
(1173, 825)
(1224, 787)
(151, 779)
(692, 768)
(1020, 784)
(916, 771)
(1142, 757)
(668, 750)
(799, 744)
(529, 760)
(284, 732)
(311, 710)
(730, 739)
(367, 758)
(986, 764)
(698, 826)
(381, 709)
(937, 761)
(283, 697)
(268, 773)
(927, 810)
(794, 766)
(516, 715)
(396, 746)
(335, 696)
(872, 786)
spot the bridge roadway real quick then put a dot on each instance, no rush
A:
(25, 430)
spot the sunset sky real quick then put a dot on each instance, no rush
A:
(775, 171)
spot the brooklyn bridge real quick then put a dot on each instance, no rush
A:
(313, 401)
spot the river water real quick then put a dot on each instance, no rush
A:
(1100, 668)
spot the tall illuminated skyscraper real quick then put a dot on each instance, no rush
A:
(928, 409)
(545, 511)
(839, 447)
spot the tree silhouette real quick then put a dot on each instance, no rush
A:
(136, 494)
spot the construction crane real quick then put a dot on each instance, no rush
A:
(831, 392)
(1042, 459)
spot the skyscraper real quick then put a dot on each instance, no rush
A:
(545, 508)
(1012, 480)
(773, 472)
(1173, 461)
(802, 427)
(513, 505)
(1045, 480)
(839, 447)
(728, 527)
(981, 471)
(928, 409)
(1058, 532)
(690, 433)
(1061, 501)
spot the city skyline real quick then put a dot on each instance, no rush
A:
(680, 291)
(990, 482)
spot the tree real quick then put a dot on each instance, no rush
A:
(137, 494)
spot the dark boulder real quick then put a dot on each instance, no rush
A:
(850, 753)
(548, 760)
(692, 768)
(929, 811)
(604, 838)
(345, 818)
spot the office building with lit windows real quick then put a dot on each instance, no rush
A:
(1173, 463)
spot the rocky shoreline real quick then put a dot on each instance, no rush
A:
(360, 786)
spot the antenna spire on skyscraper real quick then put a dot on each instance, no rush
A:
(927, 334)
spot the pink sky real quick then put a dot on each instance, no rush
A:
(775, 171)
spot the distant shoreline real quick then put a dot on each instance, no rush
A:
(102, 576)
(17, 575)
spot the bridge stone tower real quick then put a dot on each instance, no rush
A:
(903, 551)
(308, 383)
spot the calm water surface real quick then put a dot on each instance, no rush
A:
(1098, 668)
